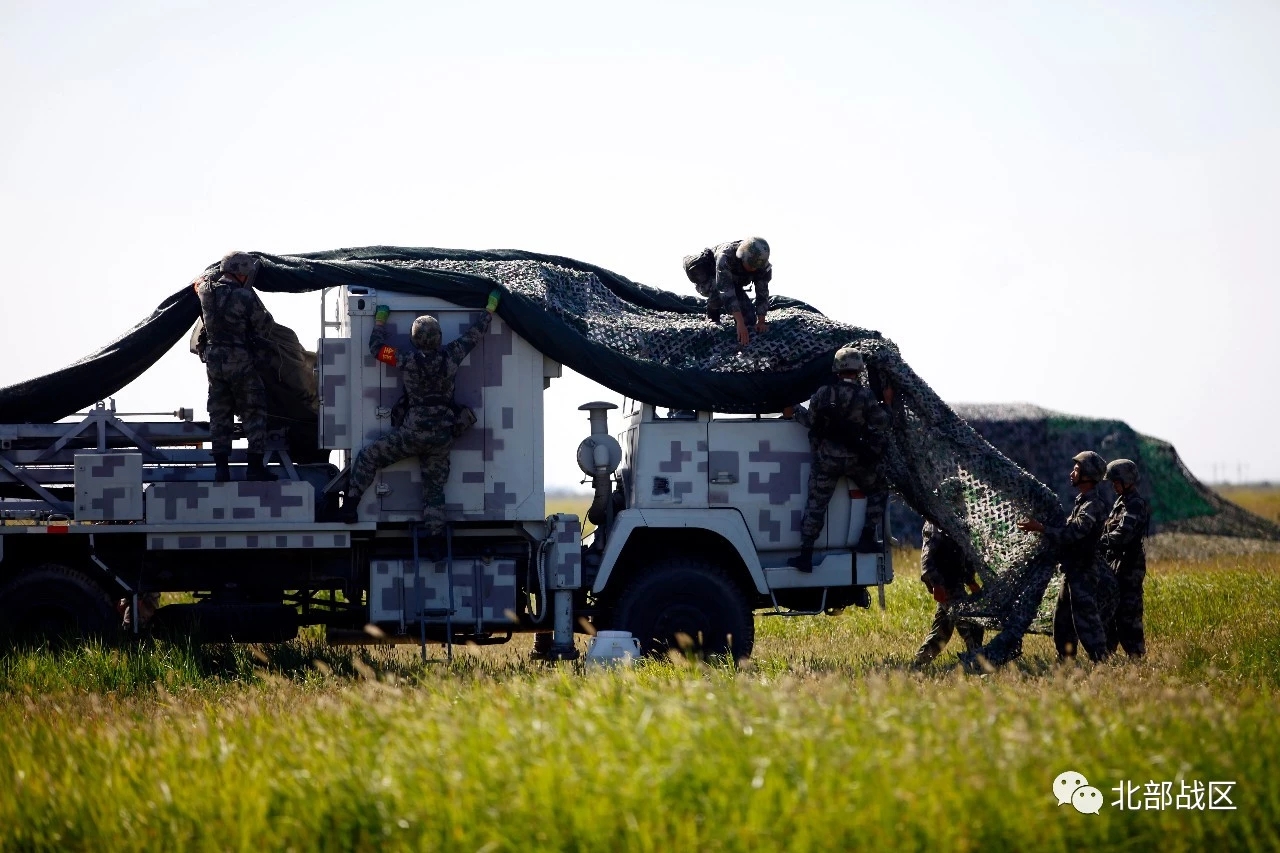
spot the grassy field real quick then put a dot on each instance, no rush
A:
(826, 740)
(1263, 500)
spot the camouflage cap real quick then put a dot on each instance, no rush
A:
(1125, 471)
(425, 333)
(1092, 466)
(847, 358)
(239, 263)
(754, 253)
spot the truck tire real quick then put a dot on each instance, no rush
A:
(55, 603)
(691, 597)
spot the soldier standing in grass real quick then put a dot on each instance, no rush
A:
(431, 422)
(1076, 620)
(235, 322)
(724, 273)
(1122, 546)
(848, 432)
(945, 571)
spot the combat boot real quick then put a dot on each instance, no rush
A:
(804, 561)
(867, 542)
(258, 471)
(222, 467)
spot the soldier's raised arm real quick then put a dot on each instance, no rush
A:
(459, 349)
(378, 340)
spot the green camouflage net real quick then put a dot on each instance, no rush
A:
(669, 338)
(930, 444)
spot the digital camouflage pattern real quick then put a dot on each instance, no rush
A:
(235, 323)
(847, 433)
(1078, 617)
(1122, 544)
(942, 563)
(430, 423)
(726, 291)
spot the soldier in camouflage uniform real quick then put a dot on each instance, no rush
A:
(235, 322)
(1122, 546)
(944, 570)
(1077, 620)
(431, 422)
(724, 273)
(848, 432)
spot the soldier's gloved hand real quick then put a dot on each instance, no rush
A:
(932, 578)
(381, 314)
(492, 304)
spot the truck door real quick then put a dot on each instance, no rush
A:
(760, 466)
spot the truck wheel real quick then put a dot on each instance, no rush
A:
(54, 602)
(681, 597)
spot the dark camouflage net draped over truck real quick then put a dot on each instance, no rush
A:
(659, 347)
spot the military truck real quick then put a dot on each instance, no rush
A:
(694, 514)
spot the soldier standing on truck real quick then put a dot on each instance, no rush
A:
(1077, 620)
(235, 322)
(1123, 549)
(848, 432)
(946, 572)
(724, 273)
(430, 422)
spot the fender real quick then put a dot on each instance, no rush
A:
(727, 523)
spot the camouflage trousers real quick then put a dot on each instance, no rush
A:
(430, 443)
(235, 388)
(1125, 627)
(944, 625)
(825, 471)
(1077, 620)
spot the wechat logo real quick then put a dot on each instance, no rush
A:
(1071, 787)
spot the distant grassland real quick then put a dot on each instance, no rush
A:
(825, 740)
(1259, 500)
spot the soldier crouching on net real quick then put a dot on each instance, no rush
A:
(1122, 547)
(1077, 619)
(235, 320)
(431, 422)
(946, 572)
(724, 273)
(848, 432)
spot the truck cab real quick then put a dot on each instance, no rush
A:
(723, 497)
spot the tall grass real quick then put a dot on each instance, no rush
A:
(1263, 500)
(827, 739)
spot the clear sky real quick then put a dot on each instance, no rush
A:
(1069, 204)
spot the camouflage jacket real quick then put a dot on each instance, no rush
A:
(233, 314)
(845, 419)
(940, 555)
(732, 276)
(1123, 532)
(1077, 539)
(429, 376)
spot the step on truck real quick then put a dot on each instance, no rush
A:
(694, 515)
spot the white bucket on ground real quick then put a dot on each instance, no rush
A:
(612, 648)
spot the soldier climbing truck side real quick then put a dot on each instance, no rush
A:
(695, 516)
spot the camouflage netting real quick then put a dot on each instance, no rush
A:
(1043, 442)
(659, 347)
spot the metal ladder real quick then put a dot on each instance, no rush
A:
(415, 530)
